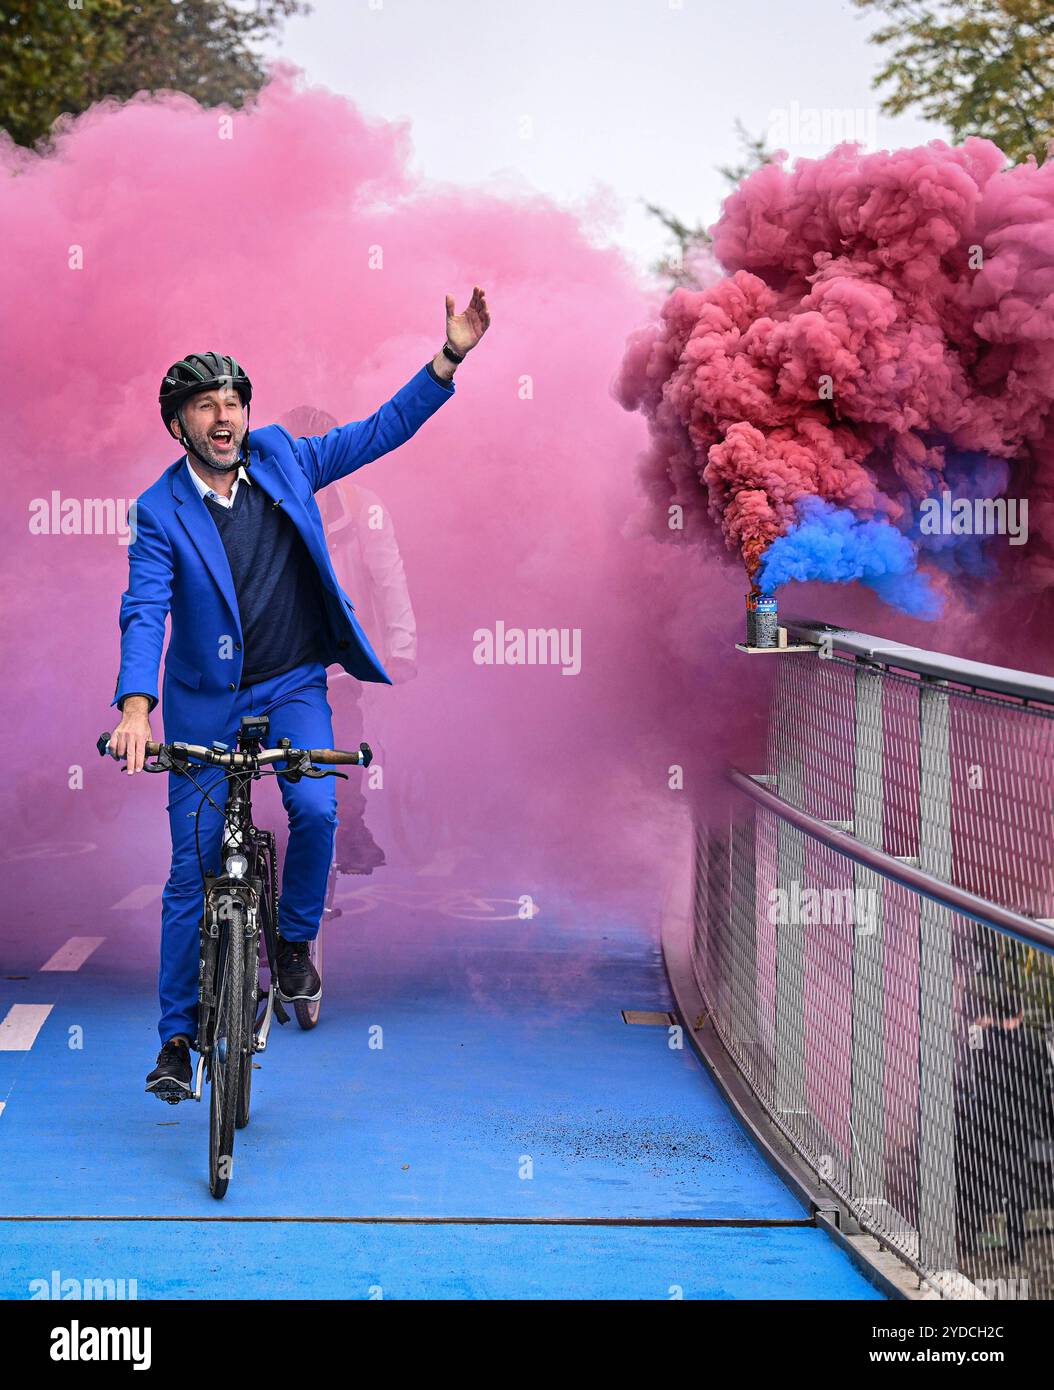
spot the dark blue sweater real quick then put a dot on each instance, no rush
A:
(278, 590)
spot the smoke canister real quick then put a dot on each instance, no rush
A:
(766, 622)
(762, 621)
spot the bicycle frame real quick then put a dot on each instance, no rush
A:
(240, 837)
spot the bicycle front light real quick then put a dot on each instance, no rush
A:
(237, 865)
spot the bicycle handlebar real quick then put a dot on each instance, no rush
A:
(181, 752)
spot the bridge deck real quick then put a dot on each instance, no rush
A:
(507, 1090)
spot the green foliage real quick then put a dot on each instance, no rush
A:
(753, 154)
(982, 67)
(674, 268)
(57, 56)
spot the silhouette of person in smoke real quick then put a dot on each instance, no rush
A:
(1003, 1122)
(365, 555)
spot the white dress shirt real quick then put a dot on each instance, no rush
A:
(205, 491)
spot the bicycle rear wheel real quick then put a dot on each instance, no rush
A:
(225, 1061)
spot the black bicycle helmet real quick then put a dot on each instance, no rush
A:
(203, 371)
(200, 371)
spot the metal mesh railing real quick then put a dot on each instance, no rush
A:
(960, 781)
(905, 1049)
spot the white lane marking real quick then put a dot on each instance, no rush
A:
(141, 897)
(21, 1024)
(75, 952)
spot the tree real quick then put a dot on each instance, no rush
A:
(56, 57)
(753, 154)
(676, 268)
(983, 67)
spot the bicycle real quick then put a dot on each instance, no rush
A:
(240, 907)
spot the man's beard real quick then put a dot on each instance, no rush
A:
(203, 447)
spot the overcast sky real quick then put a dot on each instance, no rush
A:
(636, 99)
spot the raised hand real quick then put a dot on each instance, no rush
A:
(464, 330)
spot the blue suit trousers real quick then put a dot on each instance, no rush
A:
(299, 710)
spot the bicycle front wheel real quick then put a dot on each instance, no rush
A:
(251, 992)
(228, 1044)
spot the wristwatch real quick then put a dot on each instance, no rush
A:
(451, 355)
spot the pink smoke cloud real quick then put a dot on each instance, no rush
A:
(304, 246)
(881, 317)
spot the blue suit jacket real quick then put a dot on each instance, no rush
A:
(177, 564)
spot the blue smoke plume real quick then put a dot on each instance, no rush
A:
(830, 543)
(968, 475)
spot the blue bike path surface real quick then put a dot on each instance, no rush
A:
(468, 1065)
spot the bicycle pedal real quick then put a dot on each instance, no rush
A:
(299, 998)
(168, 1094)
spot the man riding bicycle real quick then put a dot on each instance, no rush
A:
(230, 542)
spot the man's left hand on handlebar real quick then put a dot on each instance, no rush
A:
(133, 733)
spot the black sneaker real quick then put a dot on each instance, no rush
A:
(297, 977)
(170, 1079)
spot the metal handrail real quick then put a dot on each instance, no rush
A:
(977, 675)
(1002, 919)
